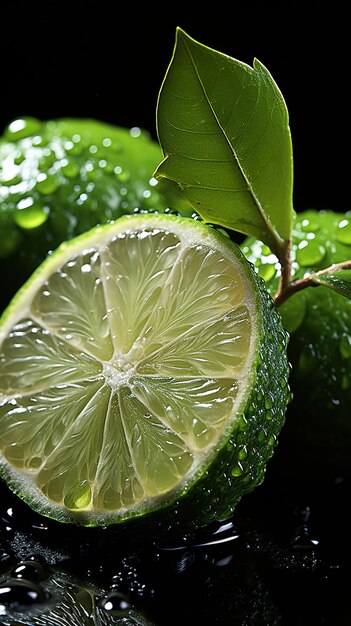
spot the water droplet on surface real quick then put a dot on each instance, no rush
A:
(30, 570)
(21, 128)
(16, 593)
(310, 252)
(237, 471)
(343, 233)
(115, 603)
(30, 214)
(309, 226)
(70, 169)
(46, 184)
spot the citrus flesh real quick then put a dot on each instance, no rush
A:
(318, 425)
(141, 364)
(59, 178)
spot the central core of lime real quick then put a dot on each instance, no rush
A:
(118, 373)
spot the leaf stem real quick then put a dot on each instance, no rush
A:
(287, 289)
(285, 264)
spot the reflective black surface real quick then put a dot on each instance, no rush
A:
(282, 559)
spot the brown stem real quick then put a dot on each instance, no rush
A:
(308, 281)
(285, 275)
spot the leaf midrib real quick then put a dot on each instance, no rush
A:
(231, 148)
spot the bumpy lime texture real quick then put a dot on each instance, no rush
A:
(318, 425)
(60, 178)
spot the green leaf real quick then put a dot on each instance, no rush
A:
(224, 131)
(339, 281)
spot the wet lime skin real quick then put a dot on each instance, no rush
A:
(317, 432)
(59, 178)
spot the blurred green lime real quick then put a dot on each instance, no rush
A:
(60, 178)
(318, 425)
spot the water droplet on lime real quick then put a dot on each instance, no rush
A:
(46, 184)
(30, 214)
(310, 252)
(309, 226)
(343, 233)
(21, 128)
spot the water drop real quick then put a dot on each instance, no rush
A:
(310, 252)
(237, 470)
(30, 570)
(70, 169)
(30, 214)
(343, 233)
(115, 603)
(21, 128)
(242, 454)
(46, 184)
(309, 226)
(135, 131)
(15, 593)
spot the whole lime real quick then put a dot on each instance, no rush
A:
(58, 178)
(318, 424)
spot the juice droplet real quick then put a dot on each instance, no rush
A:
(310, 252)
(343, 233)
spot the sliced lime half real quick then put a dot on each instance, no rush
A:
(142, 364)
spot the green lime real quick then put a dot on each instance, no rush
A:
(143, 368)
(59, 178)
(318, 425)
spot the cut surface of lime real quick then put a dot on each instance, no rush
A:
(128, 361)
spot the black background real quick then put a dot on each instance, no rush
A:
(107, 60)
